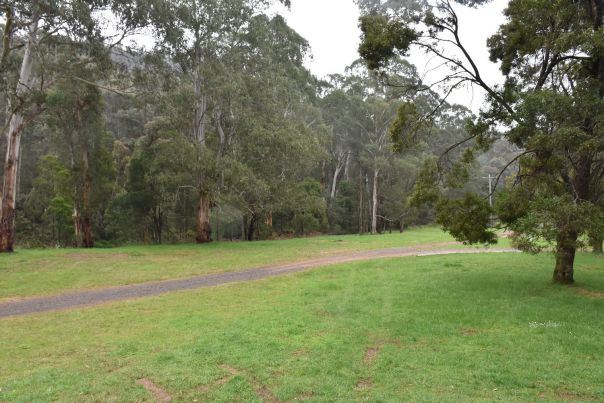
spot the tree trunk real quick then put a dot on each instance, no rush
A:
(269, 223)
(361, 202)
(77, 227)
(87, 237)
(596, 243)
(86, 221)
(204, 230)
(565, 258)
(346, 167)
(251, 228)
(158, 223)
(374, 204)
(200, 110)
(11, 164)
(334, 184)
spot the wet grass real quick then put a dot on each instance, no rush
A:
(442, 328)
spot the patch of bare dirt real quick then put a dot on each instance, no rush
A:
(300, 353)
(364, 384)
(83, 256)
(469, 331)
(591, 294)
(215, 384)
(371, 355)
(304, 396)
(231, 370)
(261, 390)
(573, 397)
(158, 393)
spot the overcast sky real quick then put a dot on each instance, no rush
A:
(331, 28)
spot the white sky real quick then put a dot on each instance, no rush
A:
(331, 28)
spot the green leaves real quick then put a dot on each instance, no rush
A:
(406, 127)
(383, 39)
(467, 219)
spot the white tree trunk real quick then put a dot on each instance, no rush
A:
(334, 183)
(13, 147)
(201, 108)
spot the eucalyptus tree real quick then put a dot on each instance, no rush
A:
(195, 35)
(360, 109)
(74, 111)
(339, 118)
(550, 107)
(32, 33)
(278, 127)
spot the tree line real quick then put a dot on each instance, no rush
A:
(217, 132)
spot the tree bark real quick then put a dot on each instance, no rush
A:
(11, 164)
(200, 110)
(565, 257)
(158, 223)
(334, 183)
(204, 230)
(87, 237)
(77, 227)
(374, 204)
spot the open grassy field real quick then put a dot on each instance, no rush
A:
(442, 328)
(30, 272)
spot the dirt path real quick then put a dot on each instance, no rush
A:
(93, 297)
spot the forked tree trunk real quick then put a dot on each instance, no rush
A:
(565, 258)
(13, 146)
(204, 230)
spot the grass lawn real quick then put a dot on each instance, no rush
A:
(442, 328)
(30, 272)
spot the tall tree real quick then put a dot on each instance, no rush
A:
(196, 34)
(549, 107)
(75, 113)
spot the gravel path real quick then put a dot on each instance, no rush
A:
(93, 297)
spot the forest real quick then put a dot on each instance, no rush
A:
(226, 137)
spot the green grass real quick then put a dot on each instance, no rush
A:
(446, 328)
(50, 271)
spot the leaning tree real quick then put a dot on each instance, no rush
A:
(551, 106)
